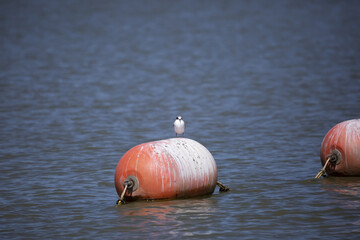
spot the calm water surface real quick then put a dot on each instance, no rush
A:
(259, 83)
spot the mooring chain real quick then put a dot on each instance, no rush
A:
(322, 172)
(222, 187)
(121, 199)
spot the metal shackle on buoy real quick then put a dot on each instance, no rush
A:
(340, 149)
(166, 169)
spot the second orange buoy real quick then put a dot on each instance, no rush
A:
(341, 146)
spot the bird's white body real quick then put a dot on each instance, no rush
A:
(179, 126)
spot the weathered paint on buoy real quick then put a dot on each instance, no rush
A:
(166, 169)
(342, 143)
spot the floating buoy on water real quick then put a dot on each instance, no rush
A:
(340, 149)
(166, 169)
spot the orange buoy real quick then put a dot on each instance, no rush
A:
(341, 146)
(166, 169)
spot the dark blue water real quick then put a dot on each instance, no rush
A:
(259, 83)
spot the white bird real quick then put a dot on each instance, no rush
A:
(179, 126)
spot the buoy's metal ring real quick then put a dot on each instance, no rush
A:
(335, 156)
(132, 183)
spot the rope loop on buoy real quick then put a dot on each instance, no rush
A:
(222, 187)
(322, 172)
